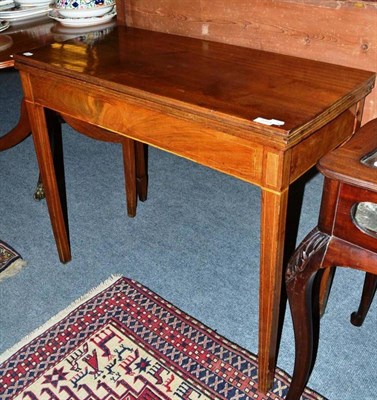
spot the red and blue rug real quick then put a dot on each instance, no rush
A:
(122, 341)
(10, 261)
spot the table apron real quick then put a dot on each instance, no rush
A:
(271, 168)
(307, 153)
(235, 156)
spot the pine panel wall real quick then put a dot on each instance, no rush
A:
(341, 32)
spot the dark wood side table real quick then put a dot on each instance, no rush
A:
(346, 236)
(261, 117)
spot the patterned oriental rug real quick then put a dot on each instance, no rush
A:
(122, 341)
(10, 261)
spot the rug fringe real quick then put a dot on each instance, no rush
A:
(55, 319)
(13, 269)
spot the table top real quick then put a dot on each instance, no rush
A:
(224, 82)
(346, 162)
(26, 36)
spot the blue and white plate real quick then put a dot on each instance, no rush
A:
(80, 22)
(85, 12)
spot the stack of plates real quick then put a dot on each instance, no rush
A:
(24, 9)
(34, 3)
(79, 17)
(6, 4)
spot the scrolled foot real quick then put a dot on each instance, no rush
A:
(369, 290)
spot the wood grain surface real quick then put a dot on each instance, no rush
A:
(340, 32)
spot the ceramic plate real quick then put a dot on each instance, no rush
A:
(69, 32)
(33, 3)
(4, 25)
(80, 22)
(84, 12)
(7, 5)
(19, 13)
(33, 21)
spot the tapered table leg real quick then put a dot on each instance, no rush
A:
(141, 170)
(55, 195)
(134, 160)
(273, 221)
(128, 147)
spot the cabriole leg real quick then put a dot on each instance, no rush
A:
(301, 272)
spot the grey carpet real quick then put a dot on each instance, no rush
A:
(195, 242)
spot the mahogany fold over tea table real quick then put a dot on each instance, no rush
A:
(201, 100)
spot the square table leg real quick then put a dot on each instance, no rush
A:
(54, 184)
(128, 148)
(47, 169)
(273, 223)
